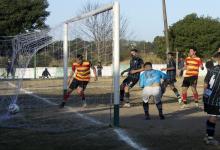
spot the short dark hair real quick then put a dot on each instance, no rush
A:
(193, 47)
(147, 63)
(171, 53)
(79, 56)
(134, 50)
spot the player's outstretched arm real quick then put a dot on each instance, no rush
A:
(126, 70)
(168, 69)
(137, 70)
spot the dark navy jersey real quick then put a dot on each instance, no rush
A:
(211, 95)
(135, 64)
(171, 74)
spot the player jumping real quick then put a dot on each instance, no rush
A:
(136, 66)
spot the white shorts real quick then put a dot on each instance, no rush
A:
(154, 91)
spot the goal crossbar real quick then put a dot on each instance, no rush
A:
(91, 13)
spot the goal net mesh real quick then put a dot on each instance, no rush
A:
(38, 97)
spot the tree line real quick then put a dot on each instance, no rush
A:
(22, 16)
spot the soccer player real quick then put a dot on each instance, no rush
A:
(209, 64)
(211, 99)
(192, 65)
(181, 66)
(150, 81)
(171, 77)
(136, 66)
(81, 70)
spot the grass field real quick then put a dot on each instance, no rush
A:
(42, 125)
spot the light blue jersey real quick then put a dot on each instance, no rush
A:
(149, 77)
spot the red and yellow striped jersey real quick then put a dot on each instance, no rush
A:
(82, 71)
(192, 66)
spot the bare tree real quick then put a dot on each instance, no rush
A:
(99, 28)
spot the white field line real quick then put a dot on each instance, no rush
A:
(125, 137)
(122, 134)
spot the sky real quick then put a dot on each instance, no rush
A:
(145, 18)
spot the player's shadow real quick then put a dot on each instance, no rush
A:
(183, 112)
(171, 99)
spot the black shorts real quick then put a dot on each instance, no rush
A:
(76, 83)
(165, 83)
(170, 81)
(212, 110)
(129, 81)
(190, 81)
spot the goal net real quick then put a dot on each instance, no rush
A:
(38, 95)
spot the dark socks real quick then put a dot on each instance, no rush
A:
(210, 128)
(159, 107)
(83, 97)
(62, 104)
(176, 93)
(122, 92)
(146, 107)
(146, 110)
(127, 95)
(160, 110)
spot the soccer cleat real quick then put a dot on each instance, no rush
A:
(197, 105)
(161, 117)
(62, 105)
(179, 100)
(183, 106)
(147, 116)
(211, 141)
(127, 105)
(84, 104)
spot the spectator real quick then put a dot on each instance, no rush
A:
(99, 69)
(10, 69)
(46, 73)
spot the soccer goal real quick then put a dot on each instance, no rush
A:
(93, 34)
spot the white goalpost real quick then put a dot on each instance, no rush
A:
(116, 54)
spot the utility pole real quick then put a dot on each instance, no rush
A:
(165, 26)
